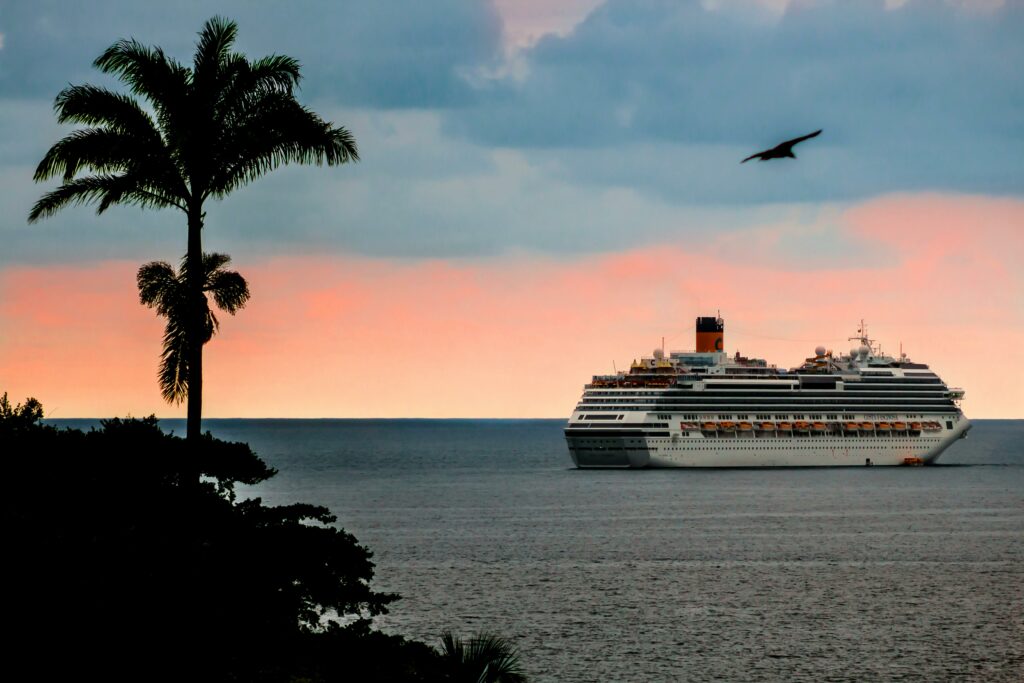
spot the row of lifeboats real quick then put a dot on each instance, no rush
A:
(816, 427)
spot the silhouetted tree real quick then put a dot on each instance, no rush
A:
(214, 126)
(21, 417)
(105, 578)
(104, 581)
(162, 288)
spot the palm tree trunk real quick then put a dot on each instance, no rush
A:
(195, 330)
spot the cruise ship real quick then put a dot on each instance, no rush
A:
(706, 408)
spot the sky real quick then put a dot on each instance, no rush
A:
(546, 191)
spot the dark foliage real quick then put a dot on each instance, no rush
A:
(120, 566)
(20, 418)
(162, 288)
(484, 658)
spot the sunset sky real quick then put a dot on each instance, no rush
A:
(547, 189)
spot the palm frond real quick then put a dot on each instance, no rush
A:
(497, 658)
(78, 191)
(277, 72)
(158, 284)
(98, 149)
(485, 658)
(452, 648)
(211, 264)
(230, 291)
(123, 138)
(214, 47)
(145, 70)
(173, 373)
(167, 291)
(247, 82)
(151, 73)
(275, 132)
(136, 189)
(125, 173)
(94, 106)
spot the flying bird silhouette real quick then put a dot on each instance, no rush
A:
(781, 150)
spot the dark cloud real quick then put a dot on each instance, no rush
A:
(384, 53)
(627, 131)
(672, 70)
(924, 96)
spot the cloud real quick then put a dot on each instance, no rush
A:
(386, 53)
(925, 95)
(415, 194)
(526, 21)
(782, 5)
(350, 337)
(625, 129)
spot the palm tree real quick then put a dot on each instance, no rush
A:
(485, 658)
(207, 130)
(167, 291)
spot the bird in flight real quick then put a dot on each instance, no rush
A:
(781, 150)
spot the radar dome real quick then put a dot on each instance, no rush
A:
(853, 353)
(863, 352)
(820, 350)
(658, 354)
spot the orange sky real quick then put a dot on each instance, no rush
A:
(517, 336)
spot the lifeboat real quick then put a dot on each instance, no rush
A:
(767, 427)
(709, 427)
(819, 427)
(785, 427)
(688, 426)
(727, 426)
(899, 426)
(915, 462)
(883, 426)
(746, 427)
(932, 426)
(851, 426)
(867, 426)
(801, 426)
(915, 426)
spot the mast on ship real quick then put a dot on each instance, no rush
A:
(868, 348)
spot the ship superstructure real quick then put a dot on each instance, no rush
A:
(705, 408)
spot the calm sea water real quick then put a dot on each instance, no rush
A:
(861, 574)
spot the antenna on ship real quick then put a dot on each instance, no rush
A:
(862, 335)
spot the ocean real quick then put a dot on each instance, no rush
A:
(846, 574)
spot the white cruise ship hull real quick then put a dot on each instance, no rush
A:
(704, 408)
(752, 450)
